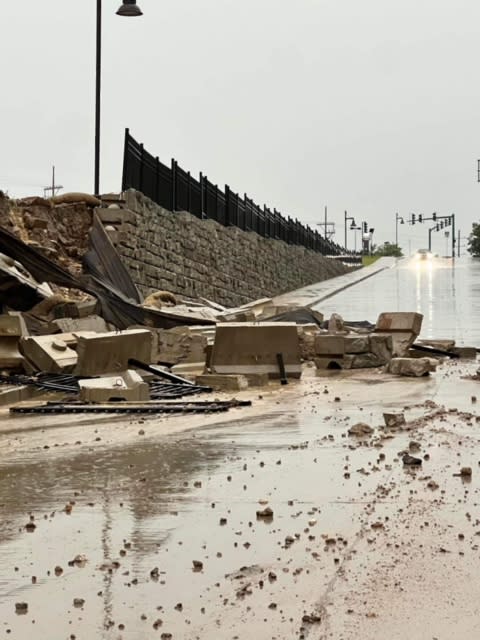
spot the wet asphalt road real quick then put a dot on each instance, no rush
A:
(141, 496)
(447, 293)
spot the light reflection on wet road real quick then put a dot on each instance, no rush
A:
(447, 294)
(156, 501)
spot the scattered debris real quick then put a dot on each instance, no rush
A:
(411, 461)
(414, 367)
(360, 429)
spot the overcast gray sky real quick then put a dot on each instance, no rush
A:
(367, 105)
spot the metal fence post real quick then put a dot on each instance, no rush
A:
(125, 159)
(227, 205)
(174, 184)
(202, 196)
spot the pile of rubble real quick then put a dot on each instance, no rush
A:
(74, 324)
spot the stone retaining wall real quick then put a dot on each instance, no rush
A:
(200, 258)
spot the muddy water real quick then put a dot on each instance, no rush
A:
(156, 501)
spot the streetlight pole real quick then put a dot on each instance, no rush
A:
(397, 218)
(98, 89)
(129, 8)
(353, 225)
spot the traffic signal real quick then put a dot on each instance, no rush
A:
(371, 230)
(420, 218)
(441, 224)
(434, 216)
(365, 227)
(437, 228)
(413, 218)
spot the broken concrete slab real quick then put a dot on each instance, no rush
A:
(12, 325)
(399, 321)
(12, 328)
(446, 345)
(336, 324)
(110, 352)
(357, 344)
(49, 354)
(128, 386)
(394, 420)
(381, 345)
(334, 363)
(257, 379)
(467, 353)
(13, 395)
(227, 382)
(253, 348)
(404, 327)
(366, 361)
(92, 323)
(10, 356)
(183, 344)
(329, 345)
(414, 367)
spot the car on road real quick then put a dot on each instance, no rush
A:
(424, 254)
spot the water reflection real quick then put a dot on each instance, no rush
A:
(446, 292)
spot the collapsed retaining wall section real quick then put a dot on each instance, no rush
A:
(201, 258)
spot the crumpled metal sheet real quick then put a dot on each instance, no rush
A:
(116, 307)
(103, 262)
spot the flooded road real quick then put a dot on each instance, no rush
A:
(358, 546)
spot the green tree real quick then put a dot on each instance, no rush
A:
(388, 249)
(474, 241)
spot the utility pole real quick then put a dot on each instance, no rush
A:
(54, 188)
(458, 244)
(326, 222)
(453, 235)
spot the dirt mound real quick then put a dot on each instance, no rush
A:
(58, 231)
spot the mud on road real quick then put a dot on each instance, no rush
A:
(148, 528)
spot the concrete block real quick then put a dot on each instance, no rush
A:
(469, 353)
(223, 382)
(13, 395)
(404, 328)
(12, 325)
(446, 345)
(181, 344)
(328, 345)
(128, 386)
(399, 321)
(253, 348)
(110, 352)
(381, 345)
(10, 356)
(367, 361)
(333, 362)
(414, 367)
(237, 316)
(94, 324)
(188, 370)
(256, 379)
(49, 354)
(357, 344)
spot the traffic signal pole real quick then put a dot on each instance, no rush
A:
(453, 236)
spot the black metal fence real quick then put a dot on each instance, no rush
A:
(177, 190)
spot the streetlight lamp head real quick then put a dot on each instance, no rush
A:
(402, 221)
(353, 225)
(129, 9)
